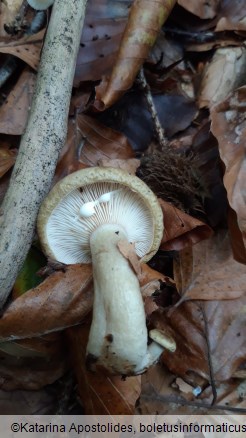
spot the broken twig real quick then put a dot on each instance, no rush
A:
(42, 141)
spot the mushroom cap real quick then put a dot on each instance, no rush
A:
(40, 4)
(65, 235)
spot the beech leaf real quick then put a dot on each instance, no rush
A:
(180, 229)
(101, 141)
(229, 127)
(144, 23)
(224, 73)
(207, 271)
(27, 48)
(14, 111)
(128, 251)
(100, 394)
(62, 300)
(201, 8)
(226, 334)
(7, 159)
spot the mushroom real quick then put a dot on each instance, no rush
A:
(85, 218)
(40, 5)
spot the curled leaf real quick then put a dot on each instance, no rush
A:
(207, 271)
(144, 23)
(180, 229)
(229, 127)
(27, 48)
(7, 159)
(62, 300)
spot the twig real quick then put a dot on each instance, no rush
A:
(159, 131)
(179, 401)
(210, 363)
(42, 141)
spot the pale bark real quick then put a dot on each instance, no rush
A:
(42, 141)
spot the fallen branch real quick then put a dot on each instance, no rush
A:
(42, 141)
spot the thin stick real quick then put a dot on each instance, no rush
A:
(178, 401)
(209, 355)
(159, 131)
(42, 141)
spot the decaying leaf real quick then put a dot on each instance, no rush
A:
(30, 364)
(160, 393)
(98, 49)
(213, 275)
(27, 48)
(14, 111)
(23, 402)
(101, 141)
(226, 336)
(224, 73)
(100, 394)
(130, 115)
(231, 16)
(62, 300)
(202, 8)
(180, 229)
(229, 127)
(8, 12)
(128, 251)
(129, 165)
(102, 31)
(7, 159)
(89, 142)
(207, 271)
(148, 275)
(144, 23)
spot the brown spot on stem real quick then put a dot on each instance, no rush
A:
(109, 338)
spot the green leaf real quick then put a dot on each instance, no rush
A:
(28, 278)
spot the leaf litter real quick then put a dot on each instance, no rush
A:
(198, 298)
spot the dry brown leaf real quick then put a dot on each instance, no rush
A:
(150, 282)
(88, 142)
(102, 31)
(129, 165)
(128, 251)
(69, 159)
(214, 276)
(144, 23)
(202, 8)
(14, 111)
(27, 48)
(207, 271)
(231, 16)
(100, 394)
(226, 336)
(237, 238)
(98, 48)
(23, 368)
(7, 159)
(184, 387)
(161, 395)
(180, 229)
(46, 346)
(101, 141)
(225, 72)
(148, 275)
(8, 12)
(19, 402)
(4, 182)
(229, 127)
(62, 300)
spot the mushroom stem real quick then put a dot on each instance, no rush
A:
(118, 336)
